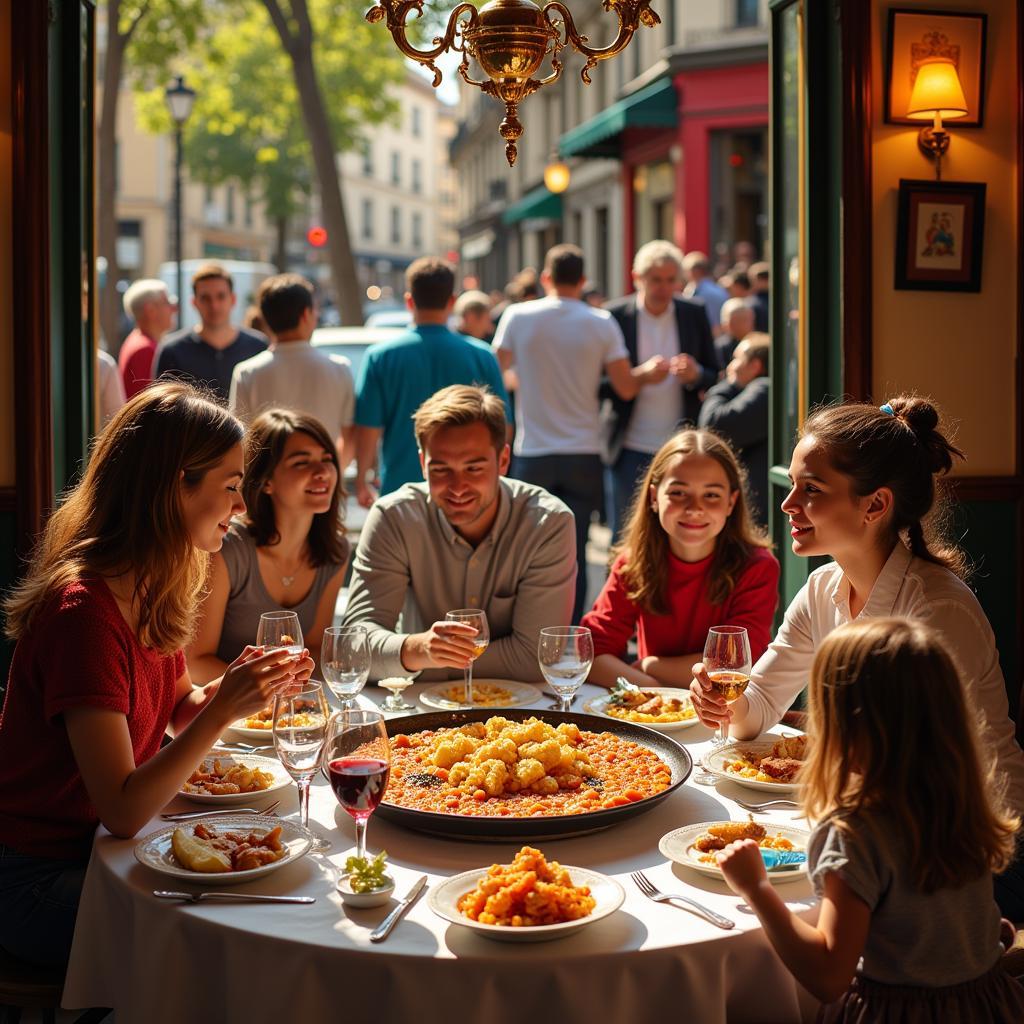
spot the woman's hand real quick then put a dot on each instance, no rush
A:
(710, 708)
(743, 866)
(252, 680)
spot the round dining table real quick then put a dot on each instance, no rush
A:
(156, 961)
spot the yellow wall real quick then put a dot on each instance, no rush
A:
(6, 288)
(958, 348)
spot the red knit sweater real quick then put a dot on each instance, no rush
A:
(78, 651)
(615, 618)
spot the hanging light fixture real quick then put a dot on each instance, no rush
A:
(510, 39)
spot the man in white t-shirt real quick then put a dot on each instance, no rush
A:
(561, 348)
(292, 374)
(656, 322)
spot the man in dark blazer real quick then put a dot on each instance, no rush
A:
(655, 321)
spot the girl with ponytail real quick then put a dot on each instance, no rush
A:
(864, 493)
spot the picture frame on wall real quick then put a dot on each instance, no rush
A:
(915, 36)
(940, 234)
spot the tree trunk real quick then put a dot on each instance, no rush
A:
(281, 243)
(106, 158)
(299, 48)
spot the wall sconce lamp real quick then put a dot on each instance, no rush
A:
(937, 94)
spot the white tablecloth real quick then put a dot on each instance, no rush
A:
(154, 961)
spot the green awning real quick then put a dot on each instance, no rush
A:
(540, 204)
(654, 106)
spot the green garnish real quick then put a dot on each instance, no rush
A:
(366, 875)
(622, 687)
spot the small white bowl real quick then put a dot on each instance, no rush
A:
(373, 898)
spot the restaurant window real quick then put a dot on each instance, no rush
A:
(739, 188)
(248, 211)
(230, 204)
(396, 225)
(367, 160)
(654, 190)
(417, 122)
(396, 168)
(747, 15)
(129, 245)
(417, 230)
(417, 176)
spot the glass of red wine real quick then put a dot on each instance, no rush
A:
(357, 756)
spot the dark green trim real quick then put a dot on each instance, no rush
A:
(538, 204)
(652, 107)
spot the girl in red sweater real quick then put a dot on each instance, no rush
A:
(690, 559)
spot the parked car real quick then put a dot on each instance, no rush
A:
(396, 317)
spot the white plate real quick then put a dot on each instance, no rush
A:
(598, 706)
(714, 761)
(266, 764)
(443, 900)
(266, 736)
(678, 846)
(155, 850)
(522, 693)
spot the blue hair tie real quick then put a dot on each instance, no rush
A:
(887, 409)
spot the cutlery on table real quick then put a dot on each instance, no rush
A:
(189, 815)
(238, 748)
(245, 897)
(644, 885)
(383, 930)
(790, 804)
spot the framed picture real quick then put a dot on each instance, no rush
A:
(916, 36)
(939, 235)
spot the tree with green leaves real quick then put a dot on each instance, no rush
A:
(273, 118)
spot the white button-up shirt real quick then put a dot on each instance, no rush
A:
(907, 587)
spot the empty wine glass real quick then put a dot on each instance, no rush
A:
(300, 721)
(565, 654)
(345, 661)
(357, 755)
(728, 664)
(477, 618)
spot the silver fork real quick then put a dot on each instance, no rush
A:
(643, 883)
(189, 815)
(785, 804)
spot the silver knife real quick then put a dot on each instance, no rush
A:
(197, 897)
(383, 930)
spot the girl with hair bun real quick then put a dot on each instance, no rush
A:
(98, 675)
(864, 494)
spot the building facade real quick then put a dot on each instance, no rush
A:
(670, 141)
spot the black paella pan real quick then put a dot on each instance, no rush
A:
(500, 829)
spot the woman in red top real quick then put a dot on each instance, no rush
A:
(98, 674)
(690, 559)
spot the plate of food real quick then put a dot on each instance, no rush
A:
(519, 775)
(530, 900)
(226, 779)
(770, 763)
(224, 850)
(656, 707)
(696, 846)
(260, 726)
(487, 693)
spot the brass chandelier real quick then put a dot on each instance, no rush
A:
(510, 39)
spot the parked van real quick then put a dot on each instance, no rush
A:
(246, 275)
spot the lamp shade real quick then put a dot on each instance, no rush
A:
(937, 89)
(179, 100)
(556, 177)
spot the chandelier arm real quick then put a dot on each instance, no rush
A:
(631, 13)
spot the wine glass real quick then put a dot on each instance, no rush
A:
(280, 629)
(394, 702)
(345, 661)
(565, 654)
(357, 756)
(477, 618)
(300, 720)
(728, 664)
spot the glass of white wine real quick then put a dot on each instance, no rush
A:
(477, 618)
(565, 655)
(345, 661)
(728, 664)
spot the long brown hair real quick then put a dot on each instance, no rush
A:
(893, 741)
(899, 446)
(645, 543)
(126, 514)
(268, 434)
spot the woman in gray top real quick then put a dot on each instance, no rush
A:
(287, 551)
(909, 833)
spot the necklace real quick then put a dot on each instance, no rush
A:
(286, 581)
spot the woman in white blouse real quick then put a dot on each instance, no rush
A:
(863, 493)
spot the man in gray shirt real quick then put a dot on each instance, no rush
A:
(467, 538)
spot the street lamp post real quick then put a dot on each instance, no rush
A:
(179, 101)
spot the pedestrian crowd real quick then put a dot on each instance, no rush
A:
(487, 438)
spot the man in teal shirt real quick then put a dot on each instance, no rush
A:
(397, 377)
